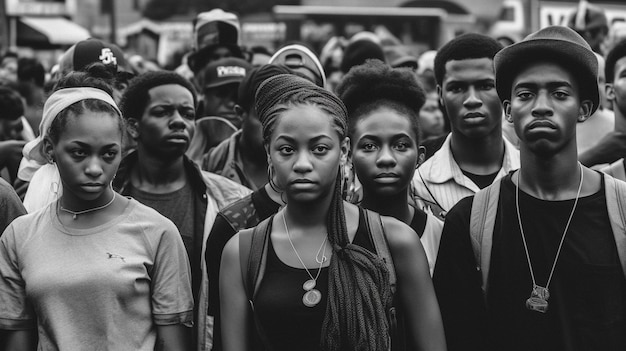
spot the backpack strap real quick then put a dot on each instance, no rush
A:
(375, 227)
(482, 222)
(252, 248)
(615, 195)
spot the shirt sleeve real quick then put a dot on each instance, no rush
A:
(172, 299)
(458, 284)
(16, 313)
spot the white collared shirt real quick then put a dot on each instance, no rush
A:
(441, 181)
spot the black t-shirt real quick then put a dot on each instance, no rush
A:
(587, 307)
(222, 230)
(482, 181)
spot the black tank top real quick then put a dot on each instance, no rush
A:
(287, 323)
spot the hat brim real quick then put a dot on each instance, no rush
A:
(224, 81)
(512, 59)
(198, 59)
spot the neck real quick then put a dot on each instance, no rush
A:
(73, 203)
(158, 171)
(478, 155)
(308, 214)
(396, 206)
(549, 178)
(620, 121)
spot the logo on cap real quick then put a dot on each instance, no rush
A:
(107, 57)
(229, 71)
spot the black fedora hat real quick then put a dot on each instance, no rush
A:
(558, 44)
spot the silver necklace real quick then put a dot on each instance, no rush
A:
(538, 300)
(311, 296)
(76, 213)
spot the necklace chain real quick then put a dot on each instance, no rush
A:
(76, 213)
(558, 252)
(322, 247)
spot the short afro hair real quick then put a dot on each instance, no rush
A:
(375, 84)
(616, 53)
(464, 47)
(136, 96)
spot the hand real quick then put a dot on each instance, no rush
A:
(609, 149)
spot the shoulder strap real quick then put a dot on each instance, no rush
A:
(482, 221)
(615, 195)
(375, 227)
(252, 248)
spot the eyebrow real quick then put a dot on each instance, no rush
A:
(554, 84)
(461, 81)
(376, 137)
(314, 139)
(80, 143)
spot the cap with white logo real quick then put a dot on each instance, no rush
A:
(225, 71)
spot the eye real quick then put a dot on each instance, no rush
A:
(286, 150)
(455, 88)
(486, 86)
(524, 95)
(188, 114)
(369, 146)
(559, 94)
(401, 145)
(320, 149)
(110, 155)
(78, 153)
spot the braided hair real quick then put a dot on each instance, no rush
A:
(359, 293)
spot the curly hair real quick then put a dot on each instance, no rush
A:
(616, 53)
(11, 104)
(94, 76)
(136, 96)
(464, 47)
(375, 84)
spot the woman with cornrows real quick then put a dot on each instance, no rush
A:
(322, 285)
(93, 270)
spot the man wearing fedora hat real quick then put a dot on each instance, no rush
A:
(544, 268)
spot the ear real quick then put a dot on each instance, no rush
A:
(507, 111)
(132, 125)
(610, 91)
(440, 94)
(345, 150)
(421, 155)
(584, 111)
(48, 150)
(239, 111)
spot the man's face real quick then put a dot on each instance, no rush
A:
(616, 91)
(545, 106)
(220, 101)
(468, 94)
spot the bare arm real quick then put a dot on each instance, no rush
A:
(19, 340)
(173, 337)
(235, 315)
(415, 288)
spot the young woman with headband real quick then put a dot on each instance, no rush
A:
(92, 270)
(323, 287)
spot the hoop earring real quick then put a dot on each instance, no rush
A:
(270, 177)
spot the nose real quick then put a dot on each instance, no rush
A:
(177, 121)
(542, 106)
(303, 163)
(385, 157)
(94, 168)
(472, 100)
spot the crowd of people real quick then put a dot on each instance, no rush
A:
(359, 199)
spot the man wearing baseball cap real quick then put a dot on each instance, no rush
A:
(537, 260)
(219, 82)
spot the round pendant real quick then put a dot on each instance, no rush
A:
(308, 285)
(537, 304)
(311, 298)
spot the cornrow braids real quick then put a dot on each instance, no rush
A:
(359, 293)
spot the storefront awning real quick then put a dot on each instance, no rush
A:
(49, 31)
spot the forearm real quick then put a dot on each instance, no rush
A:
(173, 338)
(18, 340)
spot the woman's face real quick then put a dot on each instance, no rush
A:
(384, 152)
(305, 151)
(88, 154)
(431, 118)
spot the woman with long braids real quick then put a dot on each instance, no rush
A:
(385, 136)
(93, 270)
(323, 287)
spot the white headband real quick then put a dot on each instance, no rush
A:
(57, 102)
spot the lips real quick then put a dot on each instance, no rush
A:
(387, 175)
(542, 123)
(302, 181)
(178, 137)
(473, 115)
(386, 178)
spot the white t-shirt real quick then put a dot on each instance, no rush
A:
(101, 288)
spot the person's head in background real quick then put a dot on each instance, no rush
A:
(86, 52)
(360, 50)
(398, 56)
(220, 83)
(615, 74)
(431, 119)
(31, 71)
(301, 61)
(8, 67)
(383, 105)
(591, 23)
(11, 111)
(426, 70)
(215, 36)
(466, 86)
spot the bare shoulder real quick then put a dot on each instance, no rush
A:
(399, 235)
(231, 250)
